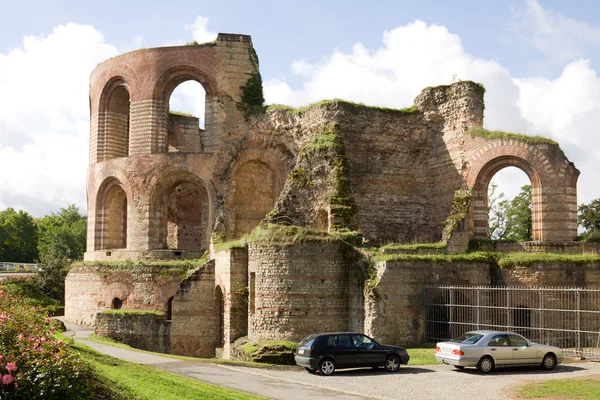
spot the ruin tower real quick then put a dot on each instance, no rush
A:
(150, 179)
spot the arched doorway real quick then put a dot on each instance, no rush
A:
(111, 216)
(479, 216)
(254, 195)
(180, 204)
(116, 303)
(114, 132)
(220, 299)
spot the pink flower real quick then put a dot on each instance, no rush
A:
(59, 342)
(11, 367)
(7, 379)
(1, 357)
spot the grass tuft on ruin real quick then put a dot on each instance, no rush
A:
(487, 134)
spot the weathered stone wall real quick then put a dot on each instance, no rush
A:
(195, 328)
(143, 331)
(90, 289)
(298, 289)
(538, 247)
(231, 275)
(394, 306)
(549, 274)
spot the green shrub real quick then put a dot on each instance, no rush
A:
(33, 364)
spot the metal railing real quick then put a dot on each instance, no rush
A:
(565, 317)
(18, 267)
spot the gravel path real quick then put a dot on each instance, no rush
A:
(427, 382)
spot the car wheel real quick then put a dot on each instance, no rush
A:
(392, 363)
(326, 367)
(459, 366)
(549, 361)
(485, 365)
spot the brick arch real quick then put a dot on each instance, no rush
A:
(256, 179)
(554, 208)
(113, 120)
(197, 208)
(111, 215)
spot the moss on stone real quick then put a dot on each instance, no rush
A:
(181, 114)
(233, 244)
(354, 107)
(459, 210)
(164, 269)
(252, 98)
(414, 246)
(487, 134)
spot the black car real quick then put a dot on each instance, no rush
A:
(326, 352)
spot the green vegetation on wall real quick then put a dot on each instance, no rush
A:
(487, 134)
(458, 211)
(252, 98)
(353, 107)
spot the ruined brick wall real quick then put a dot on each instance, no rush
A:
(195, 325)
(231, 276)
(394, 307)
(143, 331)
(296, 290)
(90, 289)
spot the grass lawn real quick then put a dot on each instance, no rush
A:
(123, 380)
(584, 389)
(422, 356)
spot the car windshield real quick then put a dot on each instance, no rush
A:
(468, 338)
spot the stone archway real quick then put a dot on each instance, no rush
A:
(181, 208)
(111, 216)
(553, 183)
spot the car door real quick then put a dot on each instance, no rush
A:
(369, 353)
(343, 350)
(500, 349)
(523, 353)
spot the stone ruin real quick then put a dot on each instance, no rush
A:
(324, 180)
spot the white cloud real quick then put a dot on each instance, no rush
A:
(558, 37)
(44, 124)
(417, 55)
(200, 32)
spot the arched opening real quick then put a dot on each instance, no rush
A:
(479, 218)
(322, 220)
(184, 217)
(180, 207)
(509, 206)
(254, 195)
(116, 124)
(170, 308)
(112, 217)
(221, 309)
(187, 117)
(116, 303)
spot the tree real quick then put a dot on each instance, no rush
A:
(589, 219)
(18, 236)
(63, 233)
(510, 220)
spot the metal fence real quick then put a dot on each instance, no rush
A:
(18, 267)
(565, 317)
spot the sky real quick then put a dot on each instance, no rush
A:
(538, 60)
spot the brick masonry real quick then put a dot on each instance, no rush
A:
(160, 188)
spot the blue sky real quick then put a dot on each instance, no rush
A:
(538, 60)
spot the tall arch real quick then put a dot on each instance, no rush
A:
(553, 186)
(480, 213)
(164, 87)
(254, 195)
(111, 216)
(114, 120)
(181, 210)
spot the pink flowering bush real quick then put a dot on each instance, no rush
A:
(33, 364)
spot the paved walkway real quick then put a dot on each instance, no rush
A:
(242, 379)
(411, 382)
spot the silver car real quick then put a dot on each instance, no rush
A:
(486, 350)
